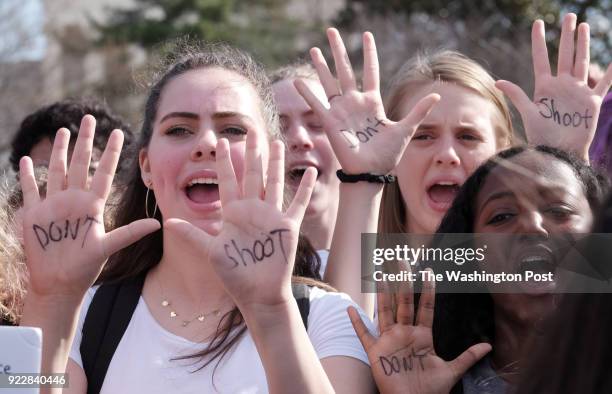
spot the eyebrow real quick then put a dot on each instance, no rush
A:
(470, 126)
(556, 191)
(460, 125)
(216, 115)
(305, 113)
(188, 115)
(230, 114)
(497, 196)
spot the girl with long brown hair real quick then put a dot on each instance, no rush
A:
(217, 311)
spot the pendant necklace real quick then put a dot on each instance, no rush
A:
(200, 317)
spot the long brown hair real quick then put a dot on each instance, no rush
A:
(140, 257)
(444, 66)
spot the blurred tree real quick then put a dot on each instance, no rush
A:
(22, 47)
(498, 19)
(262, 27)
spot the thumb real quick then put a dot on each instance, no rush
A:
(126, 235)
(298, 206)
(516, 95)
(408, 125)
(467, 359)
(602, 87)
(366, 339)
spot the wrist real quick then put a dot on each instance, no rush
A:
(268, 316)
(361, 190)
(39, 309)
(51, 301)
(367, 177)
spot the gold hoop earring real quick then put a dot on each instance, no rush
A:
(147, 205)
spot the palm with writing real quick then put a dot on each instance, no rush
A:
(564, 109)
(254, 252)
(65, 242)
(403, 358)
(362, 137)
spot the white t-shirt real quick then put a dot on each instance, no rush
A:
(142, 362)
(323, 255)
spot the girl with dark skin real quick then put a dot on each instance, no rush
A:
(468, 124)
(551, 193)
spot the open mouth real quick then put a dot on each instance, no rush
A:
(539, 264)
(442, 194)
(541, 267)
(203, 190)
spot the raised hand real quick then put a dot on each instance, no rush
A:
(65, 243)
(362, 137)
(254, 252)
(564, 109)
(403, 358)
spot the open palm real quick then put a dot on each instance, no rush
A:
(254, 252)
(362, 137)
(65, 242)
(564, 109)
(403, 358)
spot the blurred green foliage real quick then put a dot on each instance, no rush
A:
(262, 27)
(503, 17)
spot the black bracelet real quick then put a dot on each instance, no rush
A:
(370, 178)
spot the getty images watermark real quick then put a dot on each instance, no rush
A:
(508, 263)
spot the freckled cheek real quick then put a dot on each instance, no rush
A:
(470, 165)
(418, 157)
(165, 172)
(410, 176)
(488, 150)
(472, 159)
(413, 167)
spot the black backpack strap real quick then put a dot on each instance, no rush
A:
(301, 293)
(104, 325)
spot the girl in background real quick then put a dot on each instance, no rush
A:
(308, 146)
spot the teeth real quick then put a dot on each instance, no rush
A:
(203, 181)
(531, 259)
(446, 183)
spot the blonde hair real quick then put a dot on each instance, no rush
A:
(299, 69)
(13, 273)
(442, 66)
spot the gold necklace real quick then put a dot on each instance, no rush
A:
(184, 323)
(201, 317)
